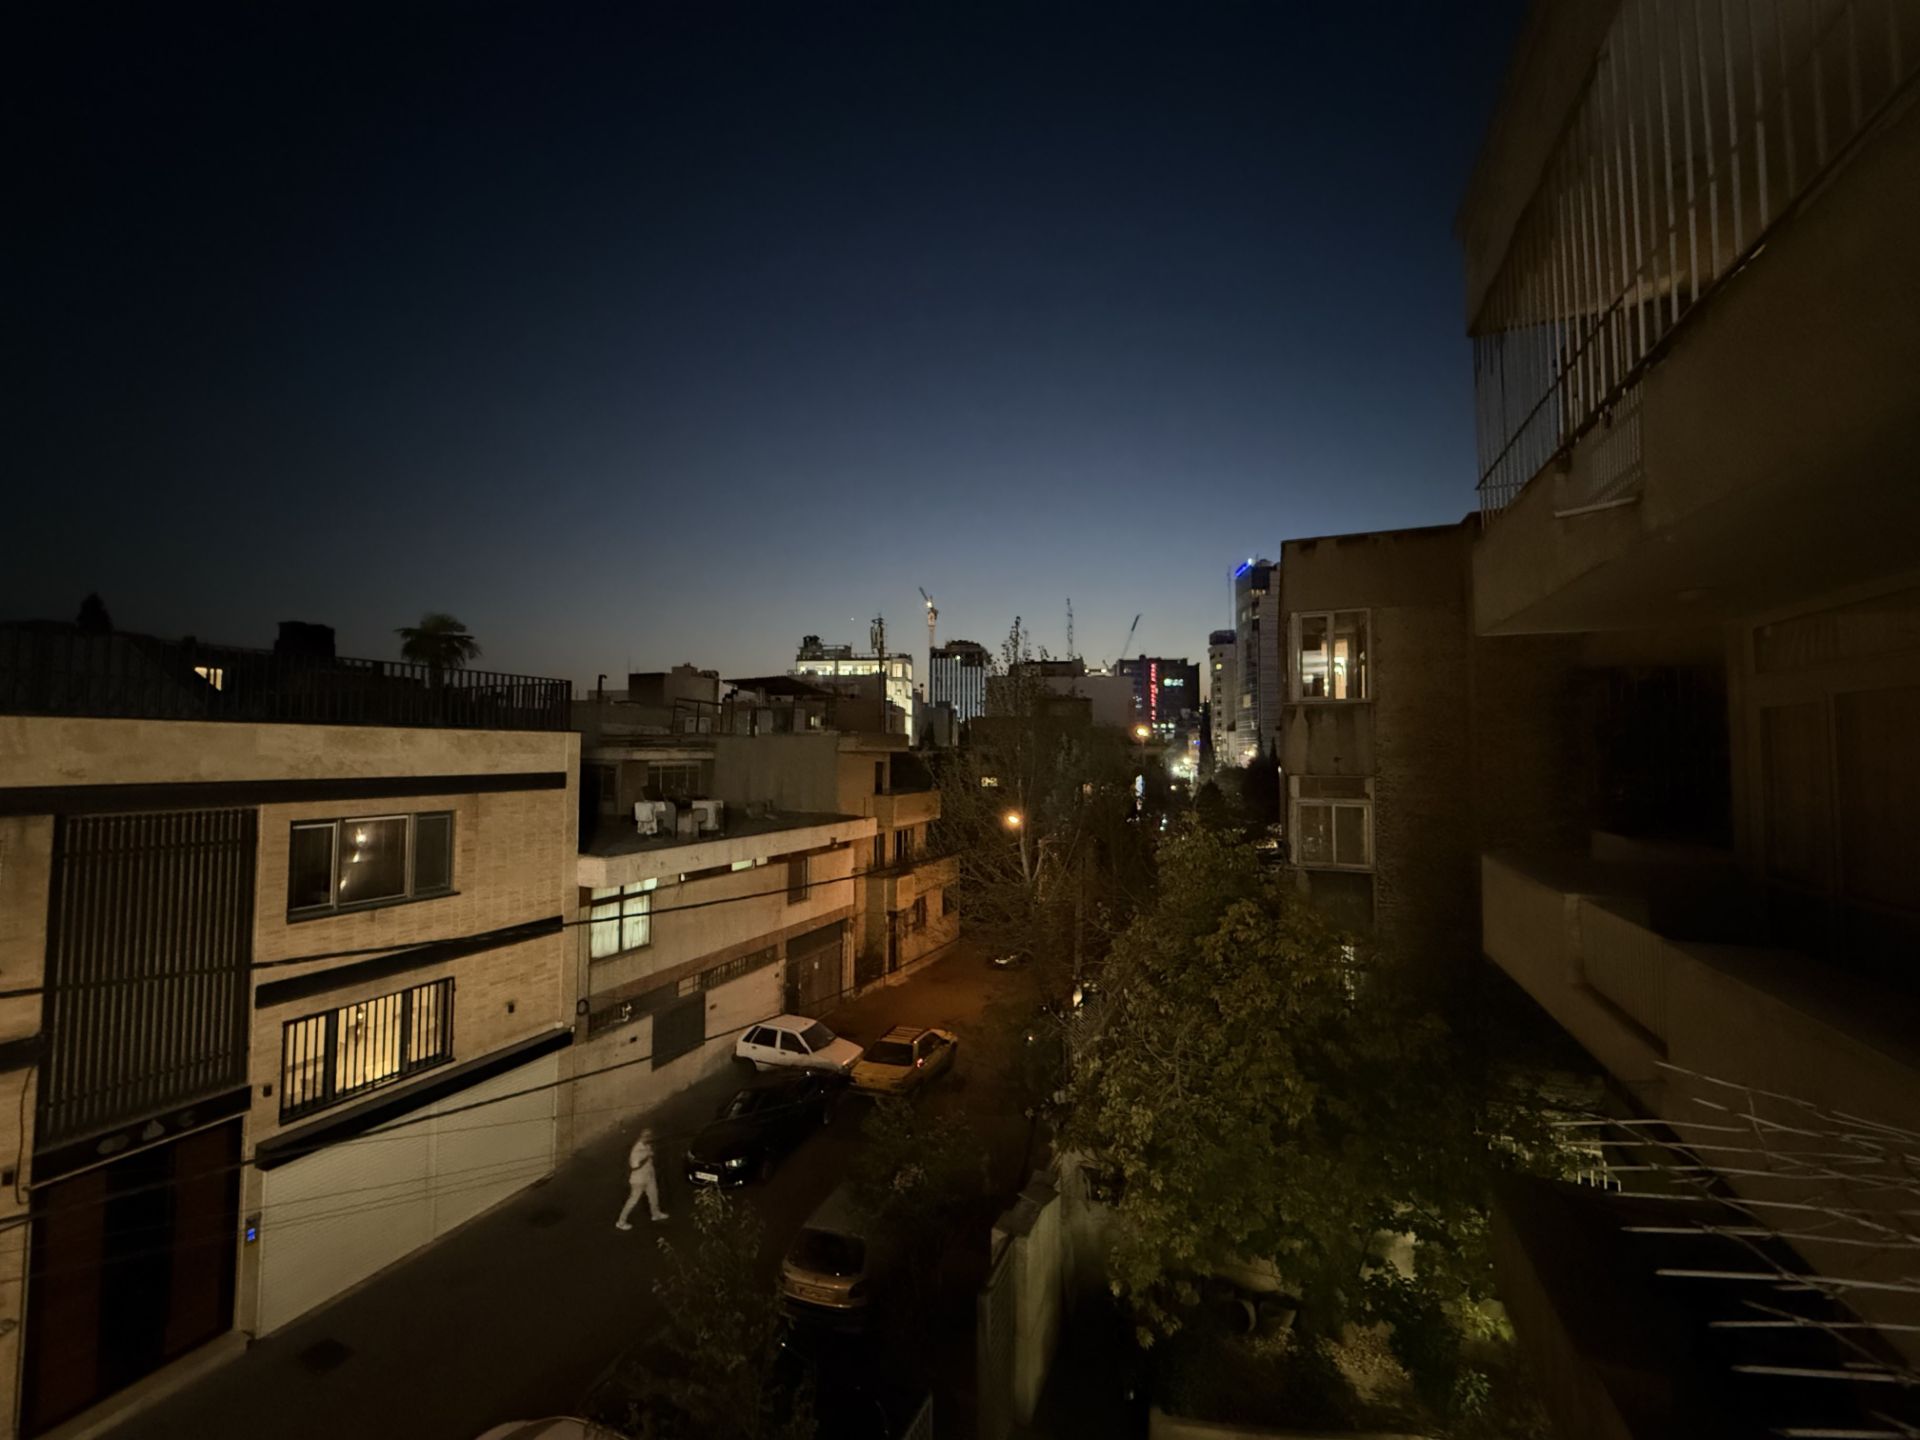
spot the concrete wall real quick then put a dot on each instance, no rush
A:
(794, 772)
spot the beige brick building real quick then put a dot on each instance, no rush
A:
(235, 947)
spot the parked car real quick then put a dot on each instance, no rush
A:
(759, 1125)
(795, 1040)
(904, 1059)
(1012, 960)
(830, 1270)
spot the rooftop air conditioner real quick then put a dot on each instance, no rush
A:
(650, 817)
(708, 813)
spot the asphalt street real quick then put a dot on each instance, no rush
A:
(518, 1313)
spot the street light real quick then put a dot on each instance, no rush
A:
(1012, 819)
(1141, 732)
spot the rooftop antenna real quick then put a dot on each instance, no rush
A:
(1070, 650)
(932, 615)
(877, 635)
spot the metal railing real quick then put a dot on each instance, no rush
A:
(59, 671)
(1702, 124)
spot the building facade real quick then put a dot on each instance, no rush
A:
(257, 953)
(1696, 413)
(957, 676)
(1223, 695)
(1166, 694)
(833, 665)
(1256, 648)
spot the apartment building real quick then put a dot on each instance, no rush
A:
(700, 918)
(1689, 248)
(267, 921)
(903, 909)
(1259, 685)
(1222, 695)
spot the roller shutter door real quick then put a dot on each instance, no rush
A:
(331, 1219)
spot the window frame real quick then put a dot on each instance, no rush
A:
(315, 1038)
(413, 893)
(1296, 686)
(1294, 832)
(799, 878)
(621, 916)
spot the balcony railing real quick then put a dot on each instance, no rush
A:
(65, 672)
(1703, 124)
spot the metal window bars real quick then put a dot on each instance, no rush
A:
(1702, 125)
(347, 1051)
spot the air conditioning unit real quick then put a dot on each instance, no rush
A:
(651, 817)
(709, 813)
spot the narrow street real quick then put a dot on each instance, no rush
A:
(517, 1314)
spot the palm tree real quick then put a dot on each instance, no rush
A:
(438, 642)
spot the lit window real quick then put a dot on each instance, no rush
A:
(1330, 650)
(329, 1057)
(344, 864)
(621, 919)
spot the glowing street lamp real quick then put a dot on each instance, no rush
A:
(1141, 732)
(1012, 819)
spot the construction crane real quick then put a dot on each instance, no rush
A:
(1127, 644)
(932, 616)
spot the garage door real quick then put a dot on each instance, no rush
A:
(813, 970)
(333, 1218)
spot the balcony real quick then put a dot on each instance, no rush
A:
(1690, 384)
(1708, 1035)
(901, 808)
(60, 671)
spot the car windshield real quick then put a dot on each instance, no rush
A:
(816, 1036)
(891, 1052)
(751, 1102)
(828, 1253)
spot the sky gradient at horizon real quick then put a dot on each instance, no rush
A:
(641, 334)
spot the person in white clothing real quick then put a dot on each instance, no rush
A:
(641, 1181)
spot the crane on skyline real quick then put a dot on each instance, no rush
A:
(932, 616)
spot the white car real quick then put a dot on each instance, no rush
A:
(795, 1040)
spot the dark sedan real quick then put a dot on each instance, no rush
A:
(761, 1124)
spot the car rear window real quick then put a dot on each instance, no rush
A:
(827, 1253)
(817, 1036)
(891, 1052)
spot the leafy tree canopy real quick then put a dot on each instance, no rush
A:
(1265, 1096)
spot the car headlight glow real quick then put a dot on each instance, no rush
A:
(737, 1162)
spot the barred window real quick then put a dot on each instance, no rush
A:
(340, 1053)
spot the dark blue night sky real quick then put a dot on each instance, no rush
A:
(637, 334)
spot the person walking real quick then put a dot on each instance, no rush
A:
(641, 1180)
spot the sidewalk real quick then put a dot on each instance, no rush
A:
(516, 1314)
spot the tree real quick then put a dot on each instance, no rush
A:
(712, 1371)
(440, 642)
(1264, 1095)
(915, 1174)
(93, 618)
(1038, 810)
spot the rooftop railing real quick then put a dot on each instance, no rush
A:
(60, 671)
(1702, 125)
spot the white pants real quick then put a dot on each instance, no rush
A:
(641, 1182)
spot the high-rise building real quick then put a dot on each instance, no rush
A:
(1164, 691)
(1256, 627)
(957, 676)
(1222, 693)
(828, 663)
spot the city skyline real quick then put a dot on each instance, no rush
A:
(1011, 306)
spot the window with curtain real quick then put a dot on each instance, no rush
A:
(620, 918)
